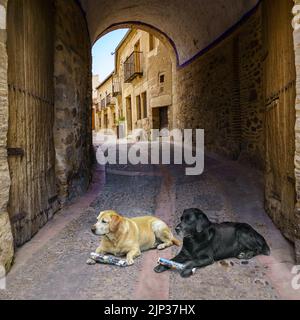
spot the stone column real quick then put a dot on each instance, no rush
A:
(296, 26)
(73, 100)
(6, 238)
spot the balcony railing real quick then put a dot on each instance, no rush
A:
(109, 100)
(132, 66)
(116, 87)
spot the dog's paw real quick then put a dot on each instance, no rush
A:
(130, 261)
(246, 255)
(161, 246)
(241, 255)
(99, 251)
(160, 269)
(186, 273)
(91, 262)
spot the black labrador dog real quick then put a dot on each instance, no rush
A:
(205, 242)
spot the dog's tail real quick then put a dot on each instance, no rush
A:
(176, 242)
(262, 245)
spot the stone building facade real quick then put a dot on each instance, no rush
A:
(106, 109)
(139, 91)
(95, 84)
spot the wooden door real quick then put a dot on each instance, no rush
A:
(31, 115)
(163, 118)
(129, 115)
(280, 93)
(106, 121)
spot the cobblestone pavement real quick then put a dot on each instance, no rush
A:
(56, 268)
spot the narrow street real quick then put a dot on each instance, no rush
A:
(53, 265)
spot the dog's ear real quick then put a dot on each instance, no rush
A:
(115, 223)
(202, 223)
(100, 215)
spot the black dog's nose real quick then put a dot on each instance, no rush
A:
(93, 229)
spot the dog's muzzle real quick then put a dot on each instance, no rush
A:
(93, 229)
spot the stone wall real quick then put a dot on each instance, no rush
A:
(296, 26)
(221, 92)
(251, 91)
(6, 240)
(73, 79)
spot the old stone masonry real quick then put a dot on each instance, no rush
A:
(230, 68)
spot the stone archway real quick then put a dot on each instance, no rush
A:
(168, 46)
(236, 123)
(241, 131)
(211, 49)
(180, 21)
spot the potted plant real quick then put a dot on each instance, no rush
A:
(121, 120)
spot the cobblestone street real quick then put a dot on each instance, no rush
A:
(53, 265)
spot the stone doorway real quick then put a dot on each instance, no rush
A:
(163, 118)
(160, 118)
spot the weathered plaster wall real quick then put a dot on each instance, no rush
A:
(6, 240)
(222, 93)
(73, 80)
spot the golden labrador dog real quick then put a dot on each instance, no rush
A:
(130, 236)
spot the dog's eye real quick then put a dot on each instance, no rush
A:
(103, 221)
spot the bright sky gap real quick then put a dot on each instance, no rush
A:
(103, 53)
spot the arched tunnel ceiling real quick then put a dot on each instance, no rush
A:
(192, 25)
